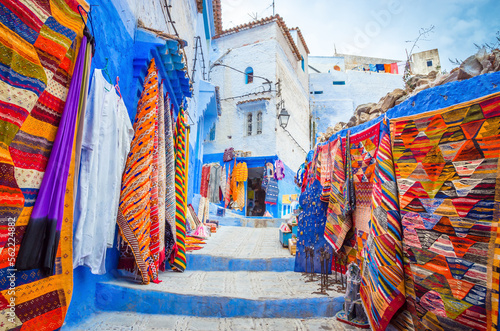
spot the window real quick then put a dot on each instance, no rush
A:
(248, 75)
(302, 62)
(212, 133)
(249, 124)
(339, 82)
(429, 63)
(259, 122)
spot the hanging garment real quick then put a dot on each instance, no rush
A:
(181, 155)
(240, 197)
(387, 68)
(205, 178)
(82, 107)
(272, 192)
(41, 239)
(447, 174)
(135, 197)
(227, 197)
(214, 183)
(269, 170)
(401, 67)
(279, 172)
(380, 67)
(169, 180)
(161, 176)
(394, 68)
(105, 145)
(373, 67)
(223, 180)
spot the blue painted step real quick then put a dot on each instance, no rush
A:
(221, 263)
(259, 295)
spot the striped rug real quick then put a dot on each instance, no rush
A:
(181, 156)
(135, 198)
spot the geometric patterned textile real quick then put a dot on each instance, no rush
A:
(382, 287)
(135, 199)
(337, 224)
(446, 163)
(181, 171)
(38, 43)
(161, 176)
(169, 179)
(311, 227)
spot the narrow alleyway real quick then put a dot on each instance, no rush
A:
(242, 280)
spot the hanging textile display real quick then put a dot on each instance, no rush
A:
(382, 252)
(41, 239)
(447, 172)
(272, 192)
(279, 172)
(311, 226)
(215, 183)
(105, 146)
(205, 178)
(35, 74)
(169, 180)
(181, 155)
(239, 177)
(135, 199)
(161, 177)
(223, 181)
(339, 222)
(154, 231)
(227, 196)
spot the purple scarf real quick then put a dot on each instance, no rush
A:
(39, 245)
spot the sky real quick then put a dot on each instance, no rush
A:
(380, 28)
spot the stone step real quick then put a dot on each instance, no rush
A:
(129, 321)
(235, 248)
(221, 294)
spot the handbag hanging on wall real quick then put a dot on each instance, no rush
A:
(228, 154)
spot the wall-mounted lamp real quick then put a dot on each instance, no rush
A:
(283, 118)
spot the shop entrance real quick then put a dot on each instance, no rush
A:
(256, 196)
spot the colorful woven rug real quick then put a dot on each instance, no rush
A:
(135, 198)
(38, 43)
(447, 170)
(382, 287)
(181, 155)
(154, 232)
(338, 223)
(169, 180)
(161, 175)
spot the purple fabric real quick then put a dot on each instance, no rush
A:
(39, 245)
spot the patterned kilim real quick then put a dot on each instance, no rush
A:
(37, 51)
(135, 198)
(382, 287)
(154, 232)
(325, 169)
(169, 180)
(181, 149)
(447, 170)
(161, 176)
(338, 223)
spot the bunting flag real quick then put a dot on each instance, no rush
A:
(181, 155)
(135, 197)
(447, 173)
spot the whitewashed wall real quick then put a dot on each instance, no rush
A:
(338, 102)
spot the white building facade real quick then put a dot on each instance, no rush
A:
(336, 91)
(247, 63)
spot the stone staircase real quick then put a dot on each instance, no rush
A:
(242, 279)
